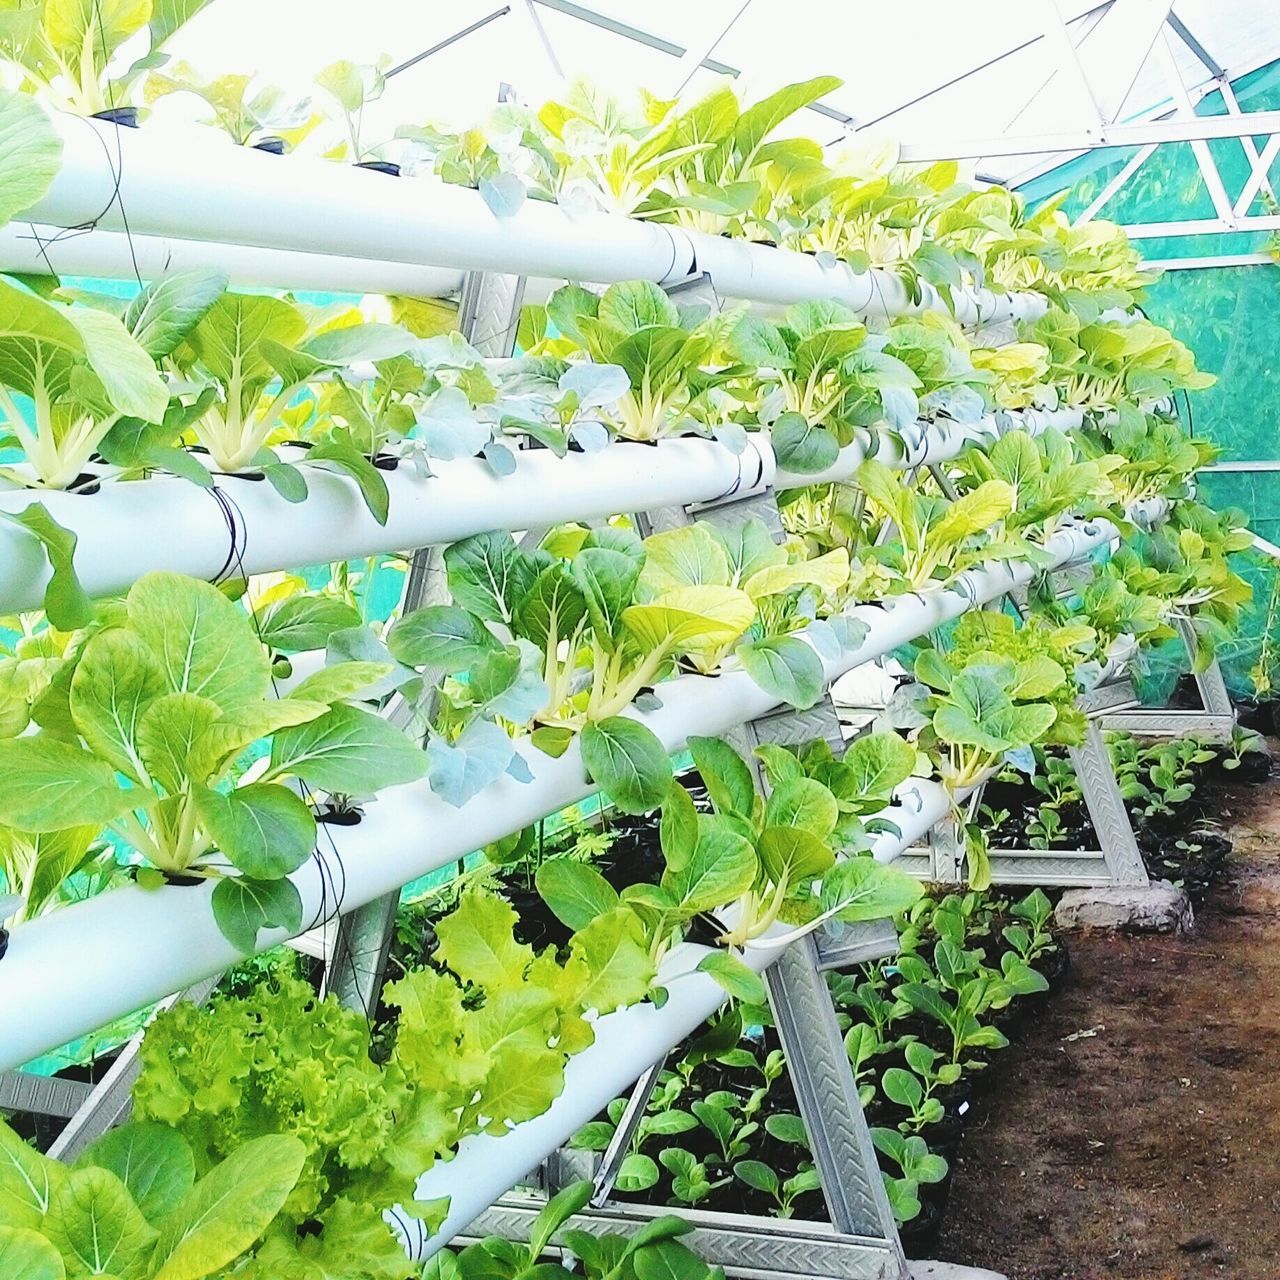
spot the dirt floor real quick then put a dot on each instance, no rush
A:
(1135, 1130)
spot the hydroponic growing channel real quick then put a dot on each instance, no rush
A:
(552, 667)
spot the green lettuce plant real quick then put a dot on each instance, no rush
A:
(242, 106)
(151, 721)
(134, 1206)
(479, 1045)
(654, 1251)
(916, 1164)
(825, 376)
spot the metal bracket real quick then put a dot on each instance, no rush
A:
(108, 1102)
(42, 1095)
(760, 1248)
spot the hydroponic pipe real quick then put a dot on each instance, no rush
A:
(44, 250)
(196, 185)
(248, 527)
(78, 968)
(926, 444)
(627, 1042)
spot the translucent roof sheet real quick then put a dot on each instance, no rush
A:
(918, 70)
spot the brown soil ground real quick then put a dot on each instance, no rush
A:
(1149, 1149)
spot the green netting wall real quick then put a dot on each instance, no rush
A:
(1229, 316)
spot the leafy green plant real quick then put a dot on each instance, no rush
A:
(784, 1192)
(149, 725)
(134, 1205)
(79, 372)
(242, 106)
(916, 1165)
(479, 1045)
(64, 50)
(936, 538)
(914, 1089)
(664, 351)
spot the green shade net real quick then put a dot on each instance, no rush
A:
(1230, 318)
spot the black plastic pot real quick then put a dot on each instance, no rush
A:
(4, 942)
(125, 117)
(272, 145)
(380, 166)
(180, 881)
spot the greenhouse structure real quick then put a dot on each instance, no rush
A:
(639, 642)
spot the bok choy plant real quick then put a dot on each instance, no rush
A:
(133, 1202)
(68, 376)
(64, 49)
(664, 350)
(151, 721)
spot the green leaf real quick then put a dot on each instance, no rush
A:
(28, 1181)
(204, 642)
(876, 763)
(347, 750)
(865, 889)
(575, 892)
(489, 575)
(242, 907)
(228, 1210)
(802, 803)
(162, 315)
(757, 1174)
(152, 1160)
(263, 829)
(720, 869)
(349, 460)
(637, 1173)
(678, 829)
(66, 603)
(802, 447)
(785, 668)
(617, 957)
(27, 1255)
(305, 622)
(341, 680)
(636, 304)
(115, 681)
(627, 761)
(441, 635)
(476, 942)
(726, 776)
(740, 982)
(96, 1226)
(30, 153)
(170, 738)
(792, 854)
(50, 785)
(128, 374)
(690, 556)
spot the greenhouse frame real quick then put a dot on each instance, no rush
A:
(638, 643)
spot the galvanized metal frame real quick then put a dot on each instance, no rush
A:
(358, 948)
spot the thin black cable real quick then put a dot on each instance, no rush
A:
(118, 168)
(332, 875)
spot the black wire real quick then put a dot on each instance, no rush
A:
(332, 874)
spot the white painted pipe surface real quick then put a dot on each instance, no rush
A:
(195, 184)
(117, 526)
(41, 250)
(78, 968)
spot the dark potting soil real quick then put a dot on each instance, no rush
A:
(1134, 1133)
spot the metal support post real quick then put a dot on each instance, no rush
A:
(489, 315)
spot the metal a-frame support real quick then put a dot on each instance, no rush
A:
(862, 1238)
(356, 959)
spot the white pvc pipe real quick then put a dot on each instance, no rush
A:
(82, 966)
(925, 444)
(627, 1042)
(45, 250)
(194, 184)
(118, 526)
